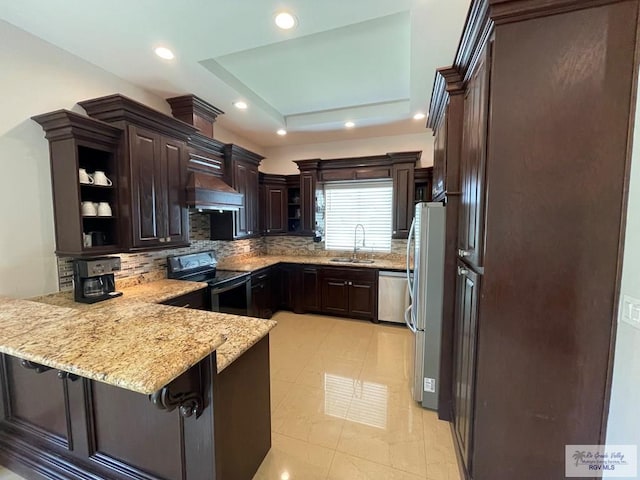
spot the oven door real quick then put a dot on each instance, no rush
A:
(233, 296)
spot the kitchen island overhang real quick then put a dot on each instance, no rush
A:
(84, 419)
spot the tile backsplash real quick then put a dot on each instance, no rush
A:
(153, 264)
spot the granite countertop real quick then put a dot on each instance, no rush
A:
(128, 341)
(250, 264)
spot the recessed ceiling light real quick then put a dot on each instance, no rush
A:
(285, 20)
(165, 53)
(419, 116)
(241, 105)
(281, 132)
(349, 124)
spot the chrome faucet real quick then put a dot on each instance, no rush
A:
(355, 239)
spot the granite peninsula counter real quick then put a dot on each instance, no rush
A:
(129, 389)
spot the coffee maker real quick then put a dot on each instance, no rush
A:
(93, 280)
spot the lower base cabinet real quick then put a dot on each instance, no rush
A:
(310, 298)
(351, 292)
(262, 293)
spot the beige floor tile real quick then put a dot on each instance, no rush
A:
(314, 415)
(387, 434)
(438, 439)
(348, 467)
(295, 460)
(443, 471)
(8, 475)
(321, 365)
(279, 390)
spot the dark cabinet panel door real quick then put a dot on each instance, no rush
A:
(276, 221)
(261, 294)
(362, 299)
(308, 202)
(403, 195)
(440, 159)
(472, 165)
(287, 286)
(335, 295)
(310, 289)
(241, 184)
(146, 175)
(465, 335)
(173, 154)
(251, 201)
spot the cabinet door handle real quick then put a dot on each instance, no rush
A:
(168, 239)
(394, 232)
(462, 271)
(464, 253)
(268, 231)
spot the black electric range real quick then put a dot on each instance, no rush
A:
(230, 290)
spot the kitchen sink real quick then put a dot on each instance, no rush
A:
(350, 260)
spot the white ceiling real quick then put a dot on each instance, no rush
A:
(369, 61)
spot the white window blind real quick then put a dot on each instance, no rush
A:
(348, 204)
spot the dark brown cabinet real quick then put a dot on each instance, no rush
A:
(241, 172)
(473, 161)
(287, 282)
(198, 300)
(151, 171)
(423, 179)
(404, 164)
(156, 173)
(350, 292)
(310, 297)
(273, 204)
(466, 321)
(541, 214)
(76, 141)
(262, 293)
(304, 214)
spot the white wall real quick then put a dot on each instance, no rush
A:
(280, 159)
(36, 77)
(624, 416)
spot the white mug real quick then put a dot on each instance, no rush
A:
(104, 209)
(85, 177)
(86, 240)
(99, 178)
(88, 209)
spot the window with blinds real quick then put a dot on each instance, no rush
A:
(348, 204)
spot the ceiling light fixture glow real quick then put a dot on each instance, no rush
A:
(419, 116)
(285, 20)
(240, 105)
(165, 53)
(349, 124)
(281, 132)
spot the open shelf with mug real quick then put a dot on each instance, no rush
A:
(84, 177)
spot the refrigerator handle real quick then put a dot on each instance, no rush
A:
(411, 237)
(408, 313)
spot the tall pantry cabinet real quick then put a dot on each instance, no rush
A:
(543, 178)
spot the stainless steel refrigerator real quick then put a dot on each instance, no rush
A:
(424, 316)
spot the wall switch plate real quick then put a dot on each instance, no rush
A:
(631, 311)
(430, 385)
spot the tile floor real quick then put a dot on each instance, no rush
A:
(342, 409)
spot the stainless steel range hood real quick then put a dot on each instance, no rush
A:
(208, 192)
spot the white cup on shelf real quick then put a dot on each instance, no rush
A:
(104, 209)
(88, 209)
(84, 177)
(99, 178)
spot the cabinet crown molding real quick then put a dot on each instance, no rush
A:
(190, 104)
(65, 124)
(232, 150)
(117, 108)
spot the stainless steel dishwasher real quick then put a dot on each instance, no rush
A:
(393, 296)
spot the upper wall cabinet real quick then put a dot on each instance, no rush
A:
(77, 143)
(151, 171)
(273, 204)
(403, 191)
(241, 172)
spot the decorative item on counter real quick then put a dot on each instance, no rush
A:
(89, 209)
(99, 178)
(104, 209)
(85, 178)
